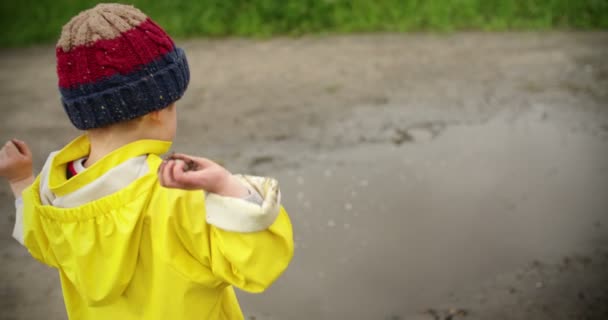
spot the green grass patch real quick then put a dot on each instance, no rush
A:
(25, 22)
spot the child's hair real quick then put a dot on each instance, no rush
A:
(115, 64)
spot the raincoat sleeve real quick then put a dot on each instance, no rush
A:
(245, 244)
(18, 228)
(34, 238)
(252, 261)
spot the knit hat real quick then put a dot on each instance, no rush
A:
(115, 64)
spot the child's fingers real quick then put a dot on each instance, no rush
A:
(168, 174)
(163, 175)
(187, 179)
(22, 147)
(178, 170)
(11, 149)
(160, 173)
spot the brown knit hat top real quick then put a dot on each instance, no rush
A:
(104, 21)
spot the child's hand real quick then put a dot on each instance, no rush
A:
(192, 173)
(15, 161)
(16, 165)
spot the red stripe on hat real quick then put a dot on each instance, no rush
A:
(104, 58)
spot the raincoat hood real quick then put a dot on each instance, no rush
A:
(90, 226)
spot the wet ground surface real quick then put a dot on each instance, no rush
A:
(457, 176)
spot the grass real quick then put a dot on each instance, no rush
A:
(26, 22)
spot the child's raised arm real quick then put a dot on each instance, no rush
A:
(193, 173)
(244, 244)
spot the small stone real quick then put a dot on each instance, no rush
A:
(364, 183)
(348, 206)
(300, 196)
(539, 285)
(347, 226)
(300, 180)
(353, 193)
(331, 223)
(327, 173)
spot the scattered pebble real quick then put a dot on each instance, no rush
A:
(353, 193)
(328, 173)
(539, 285)
(300, 180)
(300, 196)
(331, 223)
(347, 226)
(348, 206)
(363, 183)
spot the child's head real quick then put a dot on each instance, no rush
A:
(117, 68)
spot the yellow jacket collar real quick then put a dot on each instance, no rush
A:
(80, 148)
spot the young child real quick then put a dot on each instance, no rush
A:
(133, 236)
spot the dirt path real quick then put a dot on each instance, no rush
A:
(423, 173)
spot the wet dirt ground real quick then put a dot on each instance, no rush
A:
(457, 176)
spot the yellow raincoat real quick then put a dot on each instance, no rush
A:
(145, 251)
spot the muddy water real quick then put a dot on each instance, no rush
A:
(387, 231)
